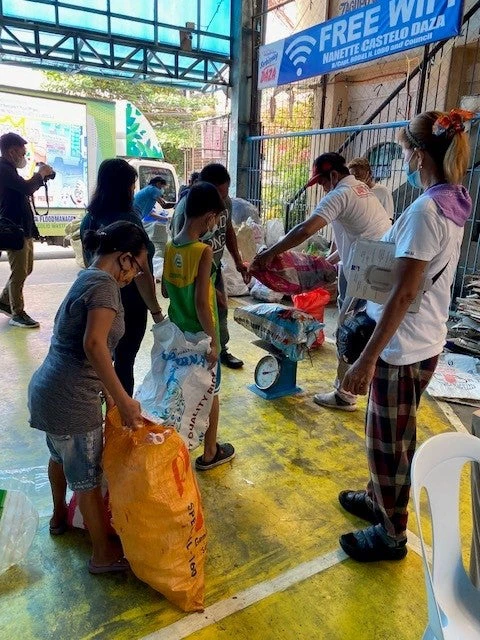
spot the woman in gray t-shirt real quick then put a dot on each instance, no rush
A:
(64, 393)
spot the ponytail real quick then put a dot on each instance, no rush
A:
(443, 137)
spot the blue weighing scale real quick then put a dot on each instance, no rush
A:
(275, 374)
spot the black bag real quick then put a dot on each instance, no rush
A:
(353, 335)
(11, 235)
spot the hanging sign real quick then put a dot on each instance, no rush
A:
(373, 31)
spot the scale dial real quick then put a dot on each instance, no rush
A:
(267, 372)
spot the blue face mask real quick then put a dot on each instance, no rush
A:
(162, 190)
(413, 177)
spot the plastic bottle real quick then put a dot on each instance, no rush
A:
(18, 524)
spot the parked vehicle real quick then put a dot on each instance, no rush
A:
(74, 135)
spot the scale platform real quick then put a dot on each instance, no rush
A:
(285, 374)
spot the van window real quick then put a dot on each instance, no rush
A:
(145, 174)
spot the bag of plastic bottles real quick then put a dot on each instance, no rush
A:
(18, 524)
(157, 509)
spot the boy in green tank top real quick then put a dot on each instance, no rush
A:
(188, 280)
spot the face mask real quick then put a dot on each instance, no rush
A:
(21, 163)
(210, 233)
(413, 176)
(162, 191)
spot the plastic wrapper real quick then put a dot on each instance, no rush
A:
(292, 273)
(178, 389)
(288, 329)
(242, 210)
(250, 238)
(260, 292)
(157, 509)
(18, 525)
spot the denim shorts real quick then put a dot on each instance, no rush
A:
(81, 457)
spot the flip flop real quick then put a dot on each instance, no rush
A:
(115, 567)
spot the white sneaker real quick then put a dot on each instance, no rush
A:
(333, 401)
(23, 320)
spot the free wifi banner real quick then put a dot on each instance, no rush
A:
(374, 31)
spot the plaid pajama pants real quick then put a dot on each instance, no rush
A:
(390, 433)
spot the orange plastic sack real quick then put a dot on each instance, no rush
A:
(314, 303)
(157, 509)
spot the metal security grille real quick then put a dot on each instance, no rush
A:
(280, 165)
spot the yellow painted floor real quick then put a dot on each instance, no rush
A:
(270, 510)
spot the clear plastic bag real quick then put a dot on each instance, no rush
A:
(18, 525)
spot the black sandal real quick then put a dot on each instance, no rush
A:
(225, 452)
(355, 502)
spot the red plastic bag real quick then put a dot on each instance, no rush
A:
(292, 273)
(314, 303)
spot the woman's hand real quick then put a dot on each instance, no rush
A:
(359, 376)
(130, 413)
(157, 316)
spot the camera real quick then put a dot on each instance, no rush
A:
(49, 177)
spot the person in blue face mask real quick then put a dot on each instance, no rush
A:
(399, 360)
(144, 201)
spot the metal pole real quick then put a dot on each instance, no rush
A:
(423, 79)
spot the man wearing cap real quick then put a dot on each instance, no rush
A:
(354, 212)
(361, 169)
(15, 206)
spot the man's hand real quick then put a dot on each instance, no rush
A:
(358, 378)
(243, 270)
(212, 357)
(261, 260)
(222, 300)
(45, 170)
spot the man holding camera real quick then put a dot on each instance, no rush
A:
(15, 207)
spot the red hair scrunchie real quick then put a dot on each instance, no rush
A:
(449, 124)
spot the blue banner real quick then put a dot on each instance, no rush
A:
(374, 31)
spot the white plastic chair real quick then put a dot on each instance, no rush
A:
(453, 601)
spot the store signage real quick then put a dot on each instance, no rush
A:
(373, 31)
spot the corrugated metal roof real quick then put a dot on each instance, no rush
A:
(182, 43)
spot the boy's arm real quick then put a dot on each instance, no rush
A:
(202, 301)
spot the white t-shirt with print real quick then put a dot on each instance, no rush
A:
(384, 196)
(354, 212)
(423, 233)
